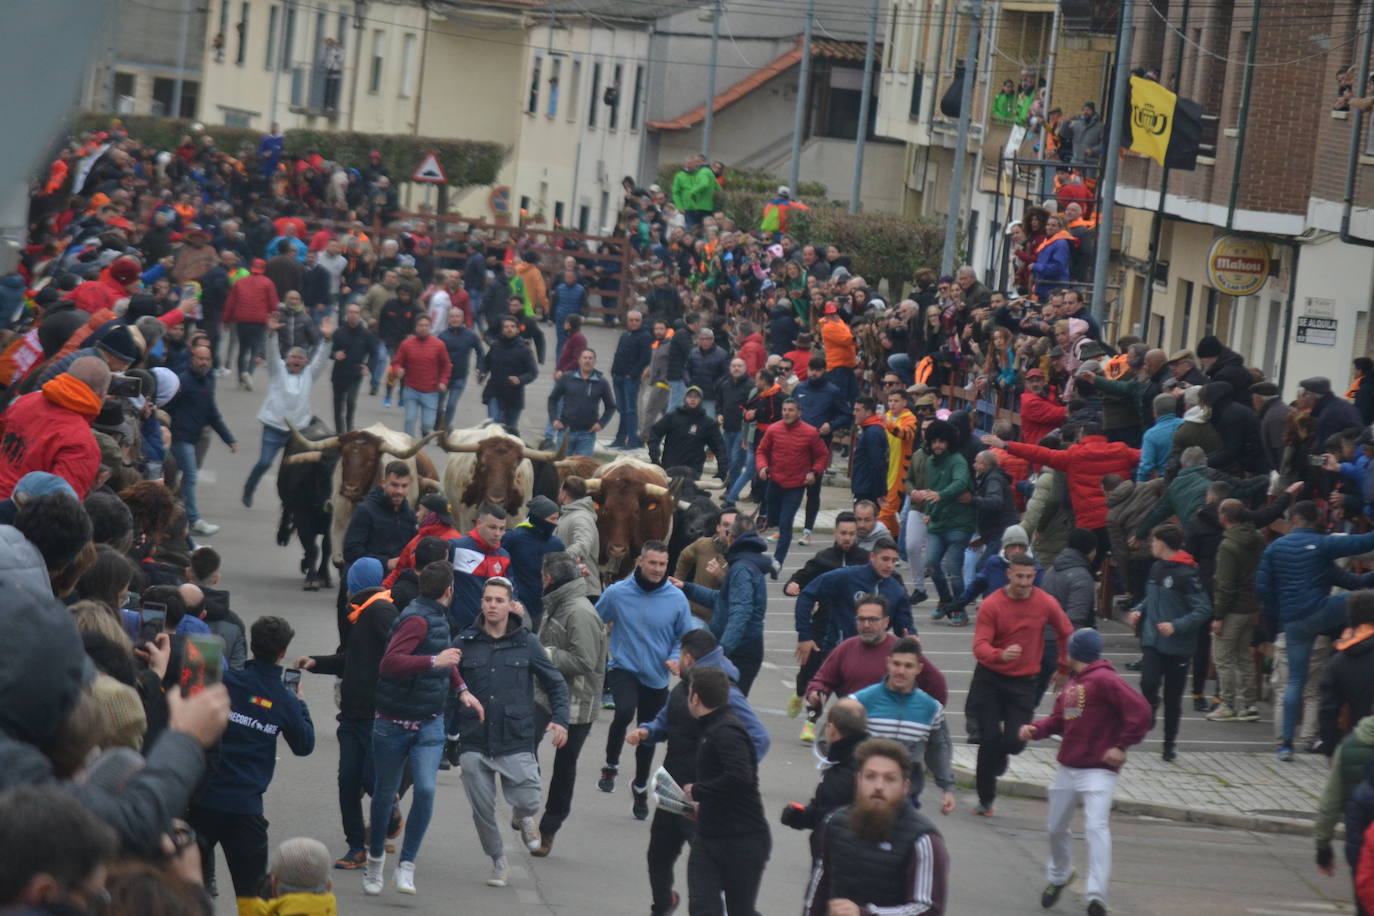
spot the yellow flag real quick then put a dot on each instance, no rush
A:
(1152, 118)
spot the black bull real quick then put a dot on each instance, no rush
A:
(304, 489)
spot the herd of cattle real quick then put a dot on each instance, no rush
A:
(323, 477)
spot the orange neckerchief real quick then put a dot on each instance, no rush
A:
(353, 615)
(70, 392)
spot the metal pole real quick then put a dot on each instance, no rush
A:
(359, 12)
(711, 84)
(1245, 84)
(1356, 124)
(956, 177)
(1157, 221)
(977, 180)
(803, 90)
(865, 100)
(278, 53)
(1045, 181)
(181, 57)
(1112, 154)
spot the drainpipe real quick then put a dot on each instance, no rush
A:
(1352, 161)
(359, 33)
(1243, 117)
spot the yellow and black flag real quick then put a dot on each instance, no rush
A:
(1163, 126)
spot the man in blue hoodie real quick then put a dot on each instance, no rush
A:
(648, 616)
(839, 588)
(741, 600)
(229, 811)
(1294, 580)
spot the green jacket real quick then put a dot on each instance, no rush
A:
(1347, 772)
(575, 639)
(1122, 405)
(1233, 586)
(1048, 520)
(695, 191)
(1174, 594)
(1183, 498)
(948, 475)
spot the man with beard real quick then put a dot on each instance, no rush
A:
(1098, 716)
(702, 562)
(879, 852)
(506, 369)
(862, 660)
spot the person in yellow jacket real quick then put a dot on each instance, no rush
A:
(902, 428)
(299, 883)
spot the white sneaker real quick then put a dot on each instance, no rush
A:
(500, 872)
(201, 526)
(529, 832)
(405, 878)
(373, 881)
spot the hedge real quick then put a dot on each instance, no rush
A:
(466, 162)
(749, 181)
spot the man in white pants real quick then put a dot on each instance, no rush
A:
(1099, 715)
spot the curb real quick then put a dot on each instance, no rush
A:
(1255, 822)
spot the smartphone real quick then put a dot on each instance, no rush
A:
(291, 677)
(153, 612)
(1317, 461)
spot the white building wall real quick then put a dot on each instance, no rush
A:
(1334, 280)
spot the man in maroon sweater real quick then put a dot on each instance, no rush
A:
(423, 366)
(1008, 642)
(861, 661)
(1099, 716)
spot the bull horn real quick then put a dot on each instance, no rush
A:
(655, 491)
(429, 485)
(460, 447)
(684, 505)
(323, 445)
(414, 449)
(535, 455)
(304, 457)
(593, 484)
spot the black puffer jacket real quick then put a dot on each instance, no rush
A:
(501, 672)
(1238, 426)
(684, 434)
(1230, 368)
(835, 790)
(507, 358)
(727, 779)
(357, 664)
(1347, 687)
(994, 503)
(378, 529)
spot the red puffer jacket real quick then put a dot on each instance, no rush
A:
(790, 452)
(1086, 463)
(251, 300)
(1040, 415)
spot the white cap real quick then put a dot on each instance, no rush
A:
(784, 191)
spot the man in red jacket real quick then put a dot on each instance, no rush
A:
(1085, 462)
(1040, 412)
(50, 429)
(790, 457)
(118, 281)
(1099, 716)
(251, 300)
(1008, 643)
(423, 366)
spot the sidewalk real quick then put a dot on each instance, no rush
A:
(1248, 791)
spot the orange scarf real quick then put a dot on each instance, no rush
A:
(353, 615)
(70, 392)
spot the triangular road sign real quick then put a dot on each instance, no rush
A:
(430, 170)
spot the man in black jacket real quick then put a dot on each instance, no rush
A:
(501, 659)
(994, 503)
(380, 527)
(581, 404)
(846, 727)
(679, 350)
(732, 392)
(1347, 684)
(506, 369)
(353, 347)
(730, 823)
(632, 354)
(685, 433)
(844, 552)
(214, 293)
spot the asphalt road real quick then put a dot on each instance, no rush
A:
(597, 865)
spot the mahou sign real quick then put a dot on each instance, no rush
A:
(1238, 266)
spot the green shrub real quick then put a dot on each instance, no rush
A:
(466, 162)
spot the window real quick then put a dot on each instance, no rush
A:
(584, 213)
(556, 66)
(638, 97)
(1185, 288)
(524, 204)
(605, 205)
(288, 38)
(164, 91)
(237, 117)
(408, 66)
(918, 79)
(532, 106)
(125, 92)
(574, 89)
(242, 29)
(272, 15)
(374, 76)
(558, 214)
(596, 96)
(342, 29)
(613, 99)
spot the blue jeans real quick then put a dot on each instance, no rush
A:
(509, 418)
(1299, 635)
(379, 358)
(945, 559)
(746, 473)
(783, 503)
(185, 454)
(356, 776)
(450, 401)
(627, 402)
(392, 745)
(422, 406)
(579, 443)
(553, 435)
(676, 392)
(731, 459)
(273, 441)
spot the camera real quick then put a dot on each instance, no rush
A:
(291, 677)
(1317, 461)
(125, 386)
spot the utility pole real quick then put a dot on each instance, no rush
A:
(1157, 221)
(711, 83)
(956, 178)
(181, 58)
(803, 91)
(865, 100)
(1112, 155)
(278, 54)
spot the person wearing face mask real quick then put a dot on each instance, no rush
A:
(527, 544)
(846, 727)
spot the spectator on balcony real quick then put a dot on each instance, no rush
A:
(1004, 105)
(1051, 267)
(332, 60)
(1084, 134)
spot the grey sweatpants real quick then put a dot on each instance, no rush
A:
(519, 775)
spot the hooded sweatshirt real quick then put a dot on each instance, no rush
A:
(740, 603)
(1095, 712)
(1174, 594)
(50, 430)
(649, 619)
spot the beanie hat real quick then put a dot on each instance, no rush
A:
(1208, 347)
(1015, 534)
(125, 270)
(168, 384)
(366, 572)
(1085, 645)
(119, 341)
(541, 507)
(301, 866)
(40, 483)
